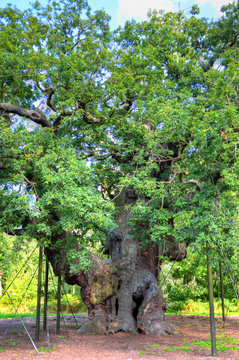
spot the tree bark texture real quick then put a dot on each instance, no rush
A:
(122, 293)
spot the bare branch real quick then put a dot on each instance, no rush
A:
(207, 66)
(87, 117)
(232, 42)
(8, 156)
(90, 119)
(190, 181)
(49, 97)
(50, 91)
(61, 116)
(171, 180)
(35, 115)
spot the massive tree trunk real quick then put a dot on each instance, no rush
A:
(122, 293)
(138, 302)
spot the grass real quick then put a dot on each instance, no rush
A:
(9, 343)
(181, 348)
(142, 352)
(44, 349)
(14, 315)
(224, 343)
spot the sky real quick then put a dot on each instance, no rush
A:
(122, 10)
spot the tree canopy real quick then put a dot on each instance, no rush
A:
(152, 105)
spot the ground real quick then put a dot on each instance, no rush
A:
(190, 341)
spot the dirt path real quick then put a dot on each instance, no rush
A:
(190, 341)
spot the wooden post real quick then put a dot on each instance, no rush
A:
(58, 315)
(46, 295)
(211, 304)
(222, 291)
(38, 314)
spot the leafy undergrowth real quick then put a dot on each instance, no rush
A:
(224, 343)
(69, 303)
(191, 307)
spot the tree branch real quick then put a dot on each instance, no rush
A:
(87, 117)
(2, 166)
(190, 181)
(232, 42)
(207, 66)
(90, 119)
(50, 92)
(171, 180)
(213, 59)
(35, 115)
(49, 97)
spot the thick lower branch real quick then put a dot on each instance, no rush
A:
(35, 115)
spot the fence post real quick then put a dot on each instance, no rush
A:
(46, 295)
(222, 291)
(38, 314)
(58, 316)
(211, 303)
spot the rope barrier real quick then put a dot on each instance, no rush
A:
(60, 308)
(4, 291)
(69, 304)
(45, 320)
(24, 326)
(232, 281)
(27, 287)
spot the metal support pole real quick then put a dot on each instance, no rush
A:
(46, 296)
(211, 304)
(58, 314)
(38, 314)
(222, 291)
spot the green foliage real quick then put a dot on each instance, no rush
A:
(44, 349)
(47, 184)
(28, 308)
(69, 303)
(223, 343)
(153, 106)
(141, 353)
(185, 287)
(23, 289)
(181, 348)
(14, 253)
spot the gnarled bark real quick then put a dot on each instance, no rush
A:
(122, 293)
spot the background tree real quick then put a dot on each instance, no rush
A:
(146, 119)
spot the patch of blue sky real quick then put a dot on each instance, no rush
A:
(20, 189)
(191, 150)
(160, 126)
(123, 10)
(17, 120)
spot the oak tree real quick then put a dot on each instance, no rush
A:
(126, 140)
